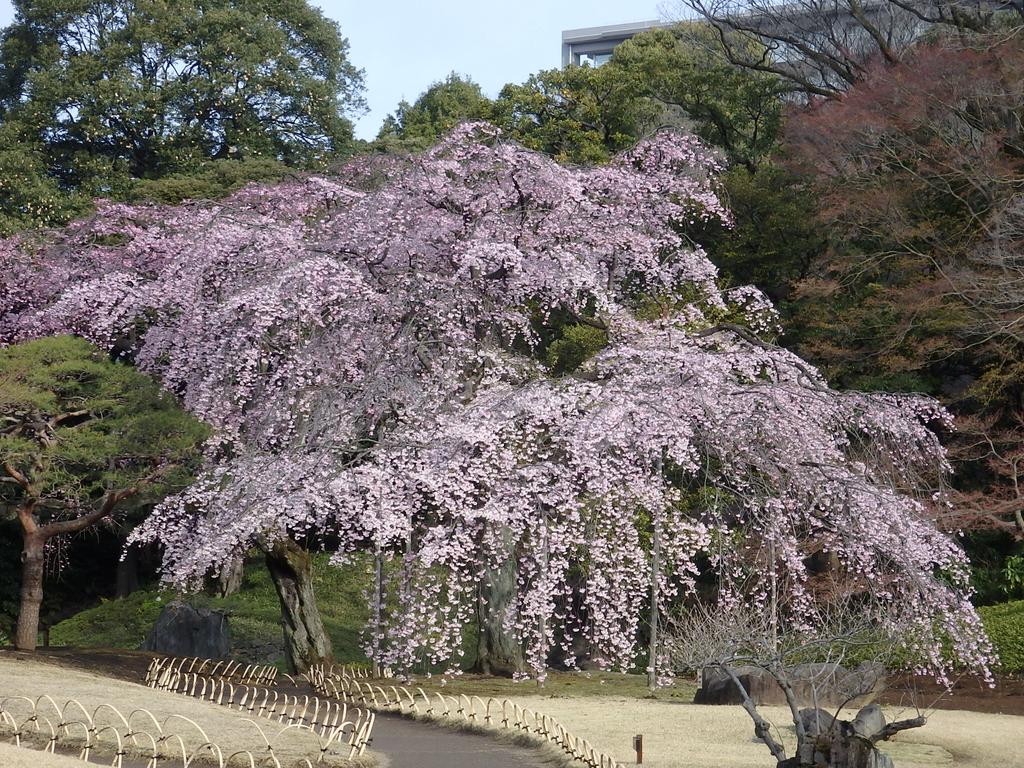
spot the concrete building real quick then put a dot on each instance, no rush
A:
(594, 45)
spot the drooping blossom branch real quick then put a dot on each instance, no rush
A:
(366, 347)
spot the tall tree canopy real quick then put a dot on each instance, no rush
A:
(82, 439)
(822, 47)
(370, 350)
(737, 110)
(659, 78)
(918, 174)
(436, 111)
(29, 195)
(576, 114)
(116, 89)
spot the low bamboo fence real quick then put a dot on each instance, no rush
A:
(500, 714)
(105, 731)
(333, 722)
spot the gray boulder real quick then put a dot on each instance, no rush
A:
(817, 722)
(869, 722)
(717, 687)
(184, 630)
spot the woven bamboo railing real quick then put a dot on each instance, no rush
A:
(501, 714)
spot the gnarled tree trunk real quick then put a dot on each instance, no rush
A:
(34, 541)
(230, 578)
(32, 562)
(847, 744)
(305, 641)
(498, 652)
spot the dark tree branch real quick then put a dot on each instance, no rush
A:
(892, 729)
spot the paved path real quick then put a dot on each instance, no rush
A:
(406, 743)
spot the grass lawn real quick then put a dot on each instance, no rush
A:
(683, 735)
(230, 729)
(21, 757)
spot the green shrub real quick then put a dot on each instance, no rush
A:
(209, 180)
(1005, 626)
(575, 345)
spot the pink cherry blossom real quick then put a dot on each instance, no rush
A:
(365, 347)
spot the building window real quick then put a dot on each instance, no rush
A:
(595, 59)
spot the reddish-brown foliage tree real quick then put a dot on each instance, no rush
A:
(919, 170)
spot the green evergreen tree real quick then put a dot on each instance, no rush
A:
(579, 114)
(737, 110)
(117, 90)
(437, 110)
(29, 195)
(82, 440)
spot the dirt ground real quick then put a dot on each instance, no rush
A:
(678, 735)
(124, 665)
(968, 693)
(97, 676)
(19, 757)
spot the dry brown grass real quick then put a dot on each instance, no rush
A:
(20, 757)
(231, 730)
(678, 735)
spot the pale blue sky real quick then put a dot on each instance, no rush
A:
(404, 45)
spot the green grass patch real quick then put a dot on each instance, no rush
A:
(1005, 626)
(254, 614)
(564, 684)
(121, 623)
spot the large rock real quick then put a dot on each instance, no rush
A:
(183, 630)
(869, 722)
(817, 721)
(815, 685)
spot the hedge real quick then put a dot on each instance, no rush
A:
(1005, 626)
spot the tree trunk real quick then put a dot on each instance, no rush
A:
(847, 744)
(377, 611)
(34, 539)
(230, 578)
(305, 642)
(652, 653)
(845, 751)
(858, 755)
(498, 653)
(27, 633)
(128, 573)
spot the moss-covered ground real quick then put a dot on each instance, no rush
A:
(254, 614)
